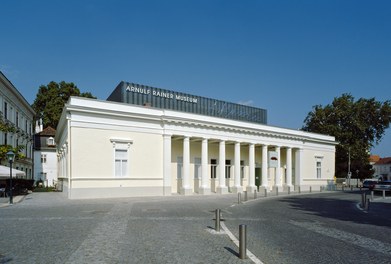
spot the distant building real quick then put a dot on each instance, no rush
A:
(149, 141)
(373, 159)
(45, 156)
(383, 168)
(18, 114)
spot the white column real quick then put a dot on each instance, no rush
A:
(265, 169)
(251, 176)
(166, 164)
(278, 169)
(289, 166)
(222, 188)
(186, 189)
(237, 186)
(204, 188)
(299, 167)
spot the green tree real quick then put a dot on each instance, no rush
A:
(356, 125)
(9, 128)
(51, 99)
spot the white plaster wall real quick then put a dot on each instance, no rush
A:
(93, 158)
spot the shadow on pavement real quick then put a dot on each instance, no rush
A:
(345, 210)
(232, 251)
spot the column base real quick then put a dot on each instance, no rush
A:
(263, 188)
(251, 189)
(237, 189)
(222, 190)
(186, 191)
(277, 188)
(204, 190)
(167, 191)
(287, 186)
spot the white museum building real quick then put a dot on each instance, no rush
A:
(146, 141)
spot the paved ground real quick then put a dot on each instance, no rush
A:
(46, 228)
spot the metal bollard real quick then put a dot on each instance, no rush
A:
(372, 192)
(351, 187)
(363, 200)
(242, 241)
(255, 194)
(384, 194)
(299, 189)
(245, 195)
(310, 189)
(320, 188)
(343, 188)
(217, 224)
(239, 198)
(289, 189)
(367, 204)
(276, 191)
(265, 192)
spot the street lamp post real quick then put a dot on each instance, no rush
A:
(10, 156)
(357, 171)
(349, 172)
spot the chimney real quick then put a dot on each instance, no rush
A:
(36, 127)
(41, 125)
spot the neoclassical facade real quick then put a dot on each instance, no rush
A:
(17, 113)
(116, 149)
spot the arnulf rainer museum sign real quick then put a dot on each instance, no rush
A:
(155, 92)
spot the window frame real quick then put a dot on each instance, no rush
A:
(124, 145)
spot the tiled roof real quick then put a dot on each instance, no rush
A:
(384, 161)
(374, 158)
(49, 131)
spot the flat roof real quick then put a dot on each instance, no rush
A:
(138, 94)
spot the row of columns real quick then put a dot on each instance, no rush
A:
(221, 187)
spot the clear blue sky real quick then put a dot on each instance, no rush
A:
(285, 56)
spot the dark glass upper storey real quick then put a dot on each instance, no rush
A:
(132, 93)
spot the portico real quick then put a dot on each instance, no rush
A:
(238, 174)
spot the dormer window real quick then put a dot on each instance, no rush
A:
(50, 141)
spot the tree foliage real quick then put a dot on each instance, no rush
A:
(357, 127)
(51, 99)
(9, 128)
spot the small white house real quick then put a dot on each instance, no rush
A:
(383, 168)
(45, 156)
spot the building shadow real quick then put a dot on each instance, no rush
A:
(344, 210)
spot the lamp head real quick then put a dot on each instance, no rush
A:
(10, 156)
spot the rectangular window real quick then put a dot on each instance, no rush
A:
(17, 119)
(197, 168)
(227, 169)
(318, 169)
(121, 162)
(213, 168)
(50, 142)
(242, 169)
(179, 167)
(43, 158)
(5, 110)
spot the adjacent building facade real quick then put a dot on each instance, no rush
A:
(45, 156)
(383, 168)
(17, 113)
(149, 141)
